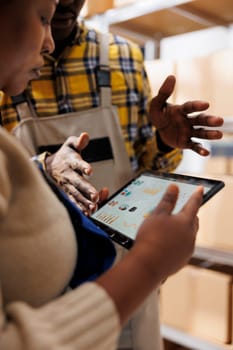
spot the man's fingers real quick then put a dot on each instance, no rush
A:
(165, 91)
(199, 149)
(207, 120)
(207, 134)
(194, 106)
(168, 201)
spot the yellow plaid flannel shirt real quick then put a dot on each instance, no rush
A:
(68, 84)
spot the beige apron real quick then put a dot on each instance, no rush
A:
(111, 168)
(106, 150)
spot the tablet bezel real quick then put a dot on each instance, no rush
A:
(127, 242)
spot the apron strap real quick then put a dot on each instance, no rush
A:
(23, 106)
(103, 73)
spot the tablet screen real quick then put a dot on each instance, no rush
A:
(125, 211)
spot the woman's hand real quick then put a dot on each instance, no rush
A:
(165, 241)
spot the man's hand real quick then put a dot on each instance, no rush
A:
(68, 169)
(175, 125)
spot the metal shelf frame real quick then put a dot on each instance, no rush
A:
(190, 341)
(214, 255)
(183, 338)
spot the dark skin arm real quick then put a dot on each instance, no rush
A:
(174, 124)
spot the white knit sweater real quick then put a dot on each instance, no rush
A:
(38, 251)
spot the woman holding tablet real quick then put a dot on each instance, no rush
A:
(38, 249)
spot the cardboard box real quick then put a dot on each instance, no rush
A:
(157, 71)
(176, 296)
(215, 218)
(214, 89)
(219, 166)
(93, 7)
(198, 301)
(119, 3)
(220, 160)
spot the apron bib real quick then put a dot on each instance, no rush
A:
(106, 151)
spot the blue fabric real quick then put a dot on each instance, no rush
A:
(96, 252)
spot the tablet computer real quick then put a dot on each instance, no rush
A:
(125, 210)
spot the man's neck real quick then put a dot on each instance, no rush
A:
(60, 45)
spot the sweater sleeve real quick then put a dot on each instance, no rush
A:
(83, 319)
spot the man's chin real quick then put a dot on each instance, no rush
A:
(62, 31)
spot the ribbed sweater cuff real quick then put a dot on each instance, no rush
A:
(84, 319)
